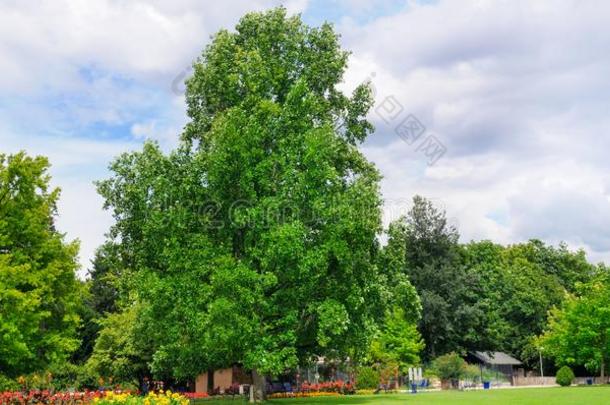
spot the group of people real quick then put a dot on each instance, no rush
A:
(148, 385)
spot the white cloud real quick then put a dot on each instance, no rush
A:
(46, 43)
(517, 92)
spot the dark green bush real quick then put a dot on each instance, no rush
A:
(449, 367)
(7, 384)
(367, 378)
(72, 376)
(565, 376)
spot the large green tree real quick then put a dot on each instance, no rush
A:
(255, 241)
(39, 293)
(425, 249)
(578, 332)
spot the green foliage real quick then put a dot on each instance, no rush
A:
(478, 296)
(105, 277)
(60, 377)
(424, 247)
(449, 366)
(8, 384)
(39, 294)
(119, 351)
(57, 378)
(398, 343)
(100, 295)
(516, 287)
(578, 331)
(565, 376)
(472, 372)
(255, 240)
(367, 378)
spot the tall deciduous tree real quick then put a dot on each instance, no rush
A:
(255, 242)
(579, 331)
(39, 294)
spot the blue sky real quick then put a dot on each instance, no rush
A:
(515, 94)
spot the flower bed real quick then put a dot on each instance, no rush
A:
(332, 386)
(96, 397)
(325, 389)
(303, 394)
(161, 398)
(45, 396)
(196, 395)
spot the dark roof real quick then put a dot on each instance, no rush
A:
(496, 358)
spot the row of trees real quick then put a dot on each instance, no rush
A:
(481, 295)
(256, 242)
(459, 297)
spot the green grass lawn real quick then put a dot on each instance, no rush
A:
(521, 396)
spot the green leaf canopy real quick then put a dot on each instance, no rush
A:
(255, 241)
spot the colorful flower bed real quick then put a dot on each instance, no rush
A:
(120, 397)
(161, 398)
(339, 387)
(325, 389)
(196, 395)
(97, 397)
(47, 397)
(303, 394)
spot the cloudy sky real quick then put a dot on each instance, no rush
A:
(514, 97)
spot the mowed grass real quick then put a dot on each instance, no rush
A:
(525, 396)
(546, 396)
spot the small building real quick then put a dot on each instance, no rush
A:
(500, 362)
(222, 379)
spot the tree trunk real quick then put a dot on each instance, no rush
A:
(396, 385)
(210, 380)
(257, 392)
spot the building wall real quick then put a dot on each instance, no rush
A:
(201, 383)
(222, 378)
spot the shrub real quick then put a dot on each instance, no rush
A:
(6, 384)
(367, 378)
(449, 367)
(565, 376)
(472, 372)
(68, 376)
